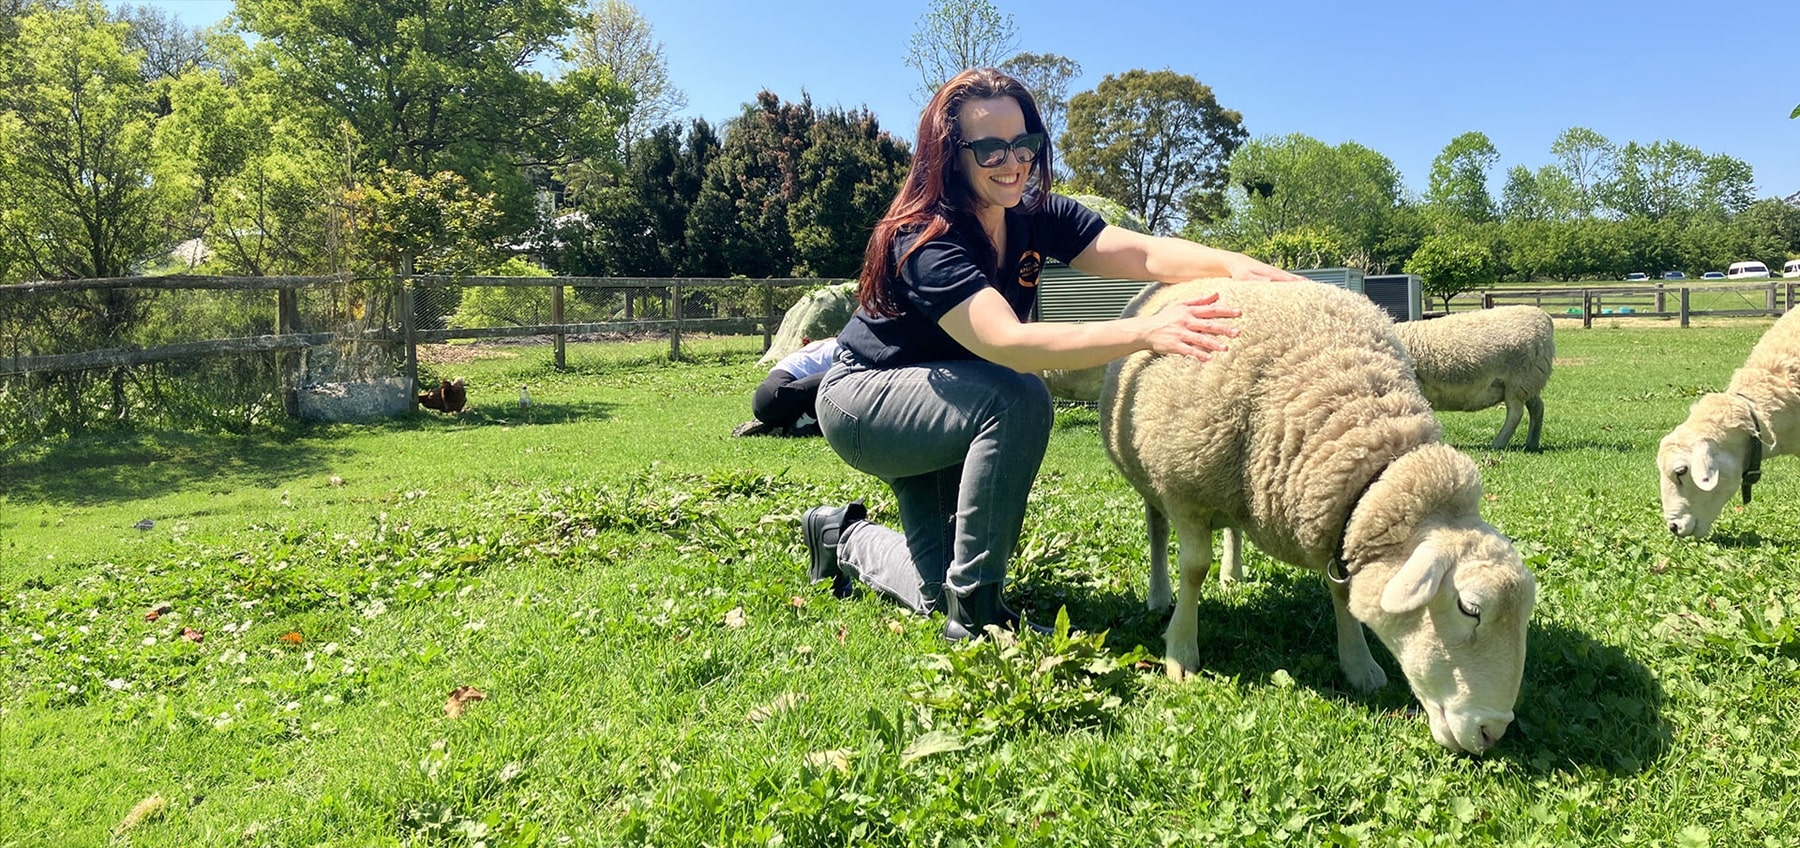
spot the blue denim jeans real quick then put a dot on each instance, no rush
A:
(960, 443)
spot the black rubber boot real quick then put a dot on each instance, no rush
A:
(822, 527)
(967, 617)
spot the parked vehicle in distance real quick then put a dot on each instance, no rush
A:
(1748, 268)
(1636, 276)
(1791, 269)
(1674, 275)
(1713, 275)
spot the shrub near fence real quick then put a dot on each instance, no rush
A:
(232, 352)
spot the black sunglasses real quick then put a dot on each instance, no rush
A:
(991, 152)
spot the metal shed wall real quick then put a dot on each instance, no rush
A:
(1065, 294)
(1399, 294)
(1344, 278)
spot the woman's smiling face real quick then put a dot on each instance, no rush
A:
(1003, 185)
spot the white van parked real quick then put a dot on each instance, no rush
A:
(1791, 269)
(1740, 270)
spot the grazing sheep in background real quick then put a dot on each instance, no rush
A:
(1473, 360)
(1719, 449)
(1079, 385)
(1310, 436)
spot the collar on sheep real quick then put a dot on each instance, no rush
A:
(1337, 570)
(1752, 465)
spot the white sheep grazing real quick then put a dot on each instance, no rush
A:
(1719, 449)
(1310, 437)
(1473, 360)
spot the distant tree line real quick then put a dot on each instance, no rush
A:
(310, 136)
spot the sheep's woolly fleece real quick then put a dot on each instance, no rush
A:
(1337, 402)
(1719, 425)
(1770, 379)
(1517, 343)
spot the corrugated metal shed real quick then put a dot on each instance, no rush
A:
(1399, 294)
(1344, 278)
(1065, 294)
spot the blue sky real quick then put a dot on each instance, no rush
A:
(1401, 78)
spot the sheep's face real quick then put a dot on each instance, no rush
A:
(1455, 616)
(1699, 476)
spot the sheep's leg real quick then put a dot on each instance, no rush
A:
(1515, 410)
(1231, 559)
(1181, 641)
(1536, 407)
(1159, 597)
(1359, 666)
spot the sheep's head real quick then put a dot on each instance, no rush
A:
(1701, 463)
(1455, 615)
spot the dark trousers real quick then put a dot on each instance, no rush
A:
(782, 398)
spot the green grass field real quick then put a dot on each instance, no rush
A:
(624, 584)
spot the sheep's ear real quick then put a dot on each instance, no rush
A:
(1706, 475)
(1416, 583)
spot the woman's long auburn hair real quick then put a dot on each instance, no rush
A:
(936, 197)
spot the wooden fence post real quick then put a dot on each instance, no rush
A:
(409, 330)
(1587, 309)
(768, 292)
(675, 334)
(287, 365)
(1684, 306)
(1659, 298)
(556, 317)
(1771, 300)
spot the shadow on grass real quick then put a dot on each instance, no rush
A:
(1583, 704)
(95, 470)
(113, 468)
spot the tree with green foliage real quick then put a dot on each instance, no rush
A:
(76, 120)
(1157, 141)
(1047, 76)
(793, 191)
(437, 225)
(1450, 264)
(1458, 183)
(505, 306)
(443, 85)
(639, 227)
(615, 37)
(249, 174)
(1668, 179)
(955, 35)
(850, 171)
(1586, 161)
(1302, 197)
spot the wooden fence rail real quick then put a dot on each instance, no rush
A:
(1658, 301)
(399, 332)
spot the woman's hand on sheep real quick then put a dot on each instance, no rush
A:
(1249, 268)
(1192, 328)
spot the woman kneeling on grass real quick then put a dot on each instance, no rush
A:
(935, 388)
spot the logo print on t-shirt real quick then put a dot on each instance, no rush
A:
(1030, 266)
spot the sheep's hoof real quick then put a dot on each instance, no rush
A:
(1181, 665)
(1367, 678)
(1155, 603)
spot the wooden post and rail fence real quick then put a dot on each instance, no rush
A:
(396, 326)
(396, 311)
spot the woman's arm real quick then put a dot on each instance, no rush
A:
(1122, 254)
(986, 325)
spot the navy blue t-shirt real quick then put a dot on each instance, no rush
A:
(944, 272)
